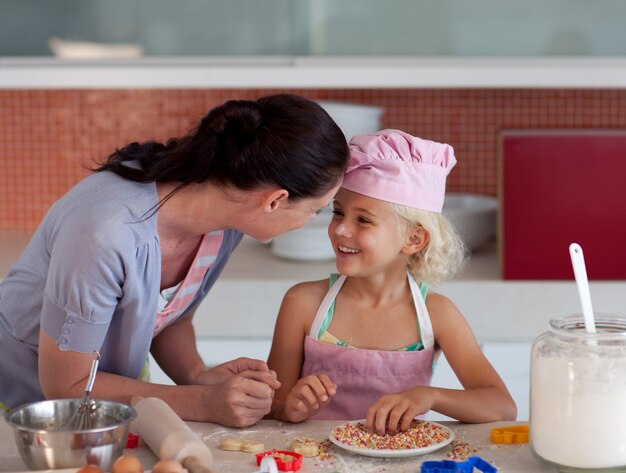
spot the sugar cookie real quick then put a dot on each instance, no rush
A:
(305, 447)
(231, 444)
(252, 446)
(234, 444)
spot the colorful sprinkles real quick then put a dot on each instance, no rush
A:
(323, 446)
(461, 450)
(420, 435)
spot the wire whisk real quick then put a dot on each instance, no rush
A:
(82, 418)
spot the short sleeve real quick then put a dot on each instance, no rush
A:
(84, 284)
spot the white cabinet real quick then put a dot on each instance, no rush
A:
(218, 350)
(215, 351)
(512, 362)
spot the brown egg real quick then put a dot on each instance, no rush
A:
(127, 464)
(91, 468)
(168, 466)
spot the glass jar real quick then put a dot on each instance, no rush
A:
(578, 395)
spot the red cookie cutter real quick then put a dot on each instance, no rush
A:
(510, 434)
(132, 441)
(282, 465)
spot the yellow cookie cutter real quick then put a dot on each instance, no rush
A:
(510, 434)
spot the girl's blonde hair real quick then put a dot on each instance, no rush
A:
(445, 254)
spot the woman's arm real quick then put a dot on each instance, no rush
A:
(237, 401)
(175, 350)
(297, 399)
(484, 398)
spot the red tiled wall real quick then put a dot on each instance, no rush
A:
(48, 136)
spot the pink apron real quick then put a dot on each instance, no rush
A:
(362, 375)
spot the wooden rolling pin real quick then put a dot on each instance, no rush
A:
(168, 436)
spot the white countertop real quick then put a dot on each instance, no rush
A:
(254, 282)
(313, 72)
(245, 300)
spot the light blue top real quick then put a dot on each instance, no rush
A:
(90, 277)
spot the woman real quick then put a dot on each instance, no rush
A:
(120, 263)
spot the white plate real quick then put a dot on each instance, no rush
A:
(368, 452)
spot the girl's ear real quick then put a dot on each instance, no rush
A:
(417, 240)
(273, 199)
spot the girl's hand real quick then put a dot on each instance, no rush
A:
(309, 395)
(394, 412)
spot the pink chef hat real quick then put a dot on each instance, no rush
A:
(396, 167)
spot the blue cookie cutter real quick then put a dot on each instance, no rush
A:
(450, 466)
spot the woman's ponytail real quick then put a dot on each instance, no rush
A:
(281, 140)
(240, 117)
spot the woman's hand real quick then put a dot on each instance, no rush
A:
(243, 399)
(309, 395)
(232, 368)
(243, 391)
(393, 413)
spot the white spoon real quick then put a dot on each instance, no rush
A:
(580, 273)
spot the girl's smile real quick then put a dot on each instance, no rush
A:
(366, 235)
(346, 250)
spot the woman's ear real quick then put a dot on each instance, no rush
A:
(417, 240)
(273, 199)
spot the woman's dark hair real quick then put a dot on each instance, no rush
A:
(281, 140)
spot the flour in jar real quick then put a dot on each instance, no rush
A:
(578, 411)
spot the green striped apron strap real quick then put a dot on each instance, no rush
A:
(145, 372)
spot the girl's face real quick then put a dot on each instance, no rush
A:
(366, 235)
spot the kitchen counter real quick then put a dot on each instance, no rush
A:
(254, 282)
(313, 72)
(245, 300)
(515, 458)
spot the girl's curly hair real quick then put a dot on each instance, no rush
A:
(444, 256)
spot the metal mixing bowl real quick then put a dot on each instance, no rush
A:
(44, 444)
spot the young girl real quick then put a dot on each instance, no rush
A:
(362, 344)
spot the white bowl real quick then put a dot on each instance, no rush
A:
(87, 50)
(309, 243)
(354, 119)
(473, 216)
